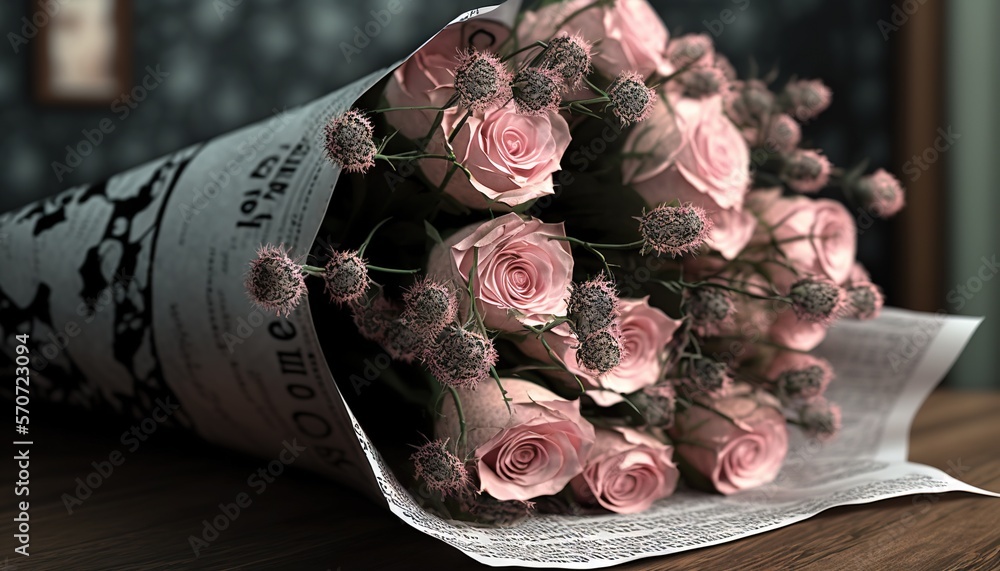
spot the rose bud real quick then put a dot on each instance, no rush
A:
(534, 450)
(736, 442)
(274, 281)
(627, 471)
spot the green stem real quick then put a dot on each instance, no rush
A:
(503, 391)
(461, 418)
(392, 270)
(537, 44)
(313, 270)
(411, 108)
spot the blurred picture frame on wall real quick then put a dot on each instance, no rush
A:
(82, 51)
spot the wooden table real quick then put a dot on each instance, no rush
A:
(142, 515)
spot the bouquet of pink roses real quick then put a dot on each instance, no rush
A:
(588, 258)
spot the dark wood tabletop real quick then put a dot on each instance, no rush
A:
(144, 513)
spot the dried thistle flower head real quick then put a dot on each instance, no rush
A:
(658, 404)
(601, 351)
(631, 100)
(429, 306)
(372, 317)
(482, 81)
(806, 170)
(783, 135)
(690, 49)
(274, 281)
(402, 342)
(800, 377)
(461, 358)
(880, 193)
(593, 305)
(749, 102)
(864, 300)
(710, 309)
(820, 418)
(489, 510)
(806, 98)
(674, 230)
(346, 276)
(710, 376)
(570, 56)
(349, 141)
(536, 91)
(441, 470)
(702, 82)
(817, 299)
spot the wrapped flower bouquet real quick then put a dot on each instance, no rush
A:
(595, 257)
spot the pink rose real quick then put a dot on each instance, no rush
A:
(521, 276)
(427, 76)
(631, 34)
(656, 141)
(535, 450)
(627, 471)
(511, 156)
(738, 445)
(817, 236)
(711, 169)
(646, 334)
(798, 334)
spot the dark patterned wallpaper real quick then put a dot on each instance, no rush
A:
(227, 63)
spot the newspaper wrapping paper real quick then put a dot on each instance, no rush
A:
(131, 290)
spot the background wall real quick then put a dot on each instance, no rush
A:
(227, 63)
